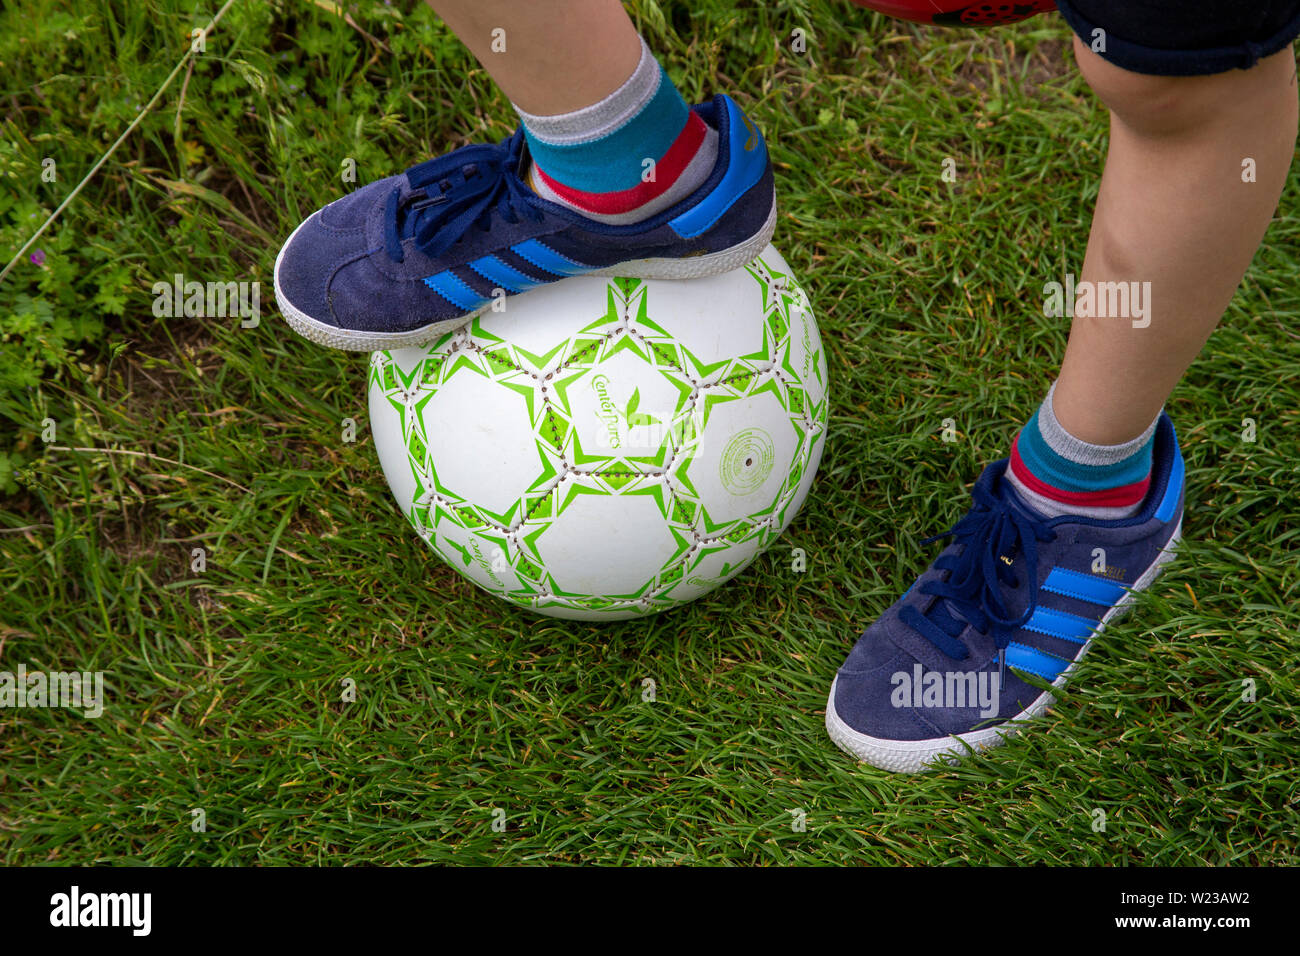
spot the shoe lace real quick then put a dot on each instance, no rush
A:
(991, 536)
(453, 193)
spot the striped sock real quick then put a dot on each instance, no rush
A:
(1057, 474)
(593, 160)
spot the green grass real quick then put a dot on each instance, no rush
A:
(225, 685)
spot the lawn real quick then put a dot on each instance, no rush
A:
(480, 733)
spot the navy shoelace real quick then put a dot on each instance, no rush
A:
(991, 536)
(453, 193)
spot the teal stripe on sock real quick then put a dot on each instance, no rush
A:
(1049, 467)
(613, 163)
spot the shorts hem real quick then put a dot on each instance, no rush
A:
(1157, 62)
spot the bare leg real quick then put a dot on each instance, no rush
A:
(1173, 210)
(557, 57)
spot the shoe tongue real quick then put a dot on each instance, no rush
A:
(944, 615)
(1006, 492)
(451, 167)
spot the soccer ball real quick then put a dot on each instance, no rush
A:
(606, 448)
(964, 13)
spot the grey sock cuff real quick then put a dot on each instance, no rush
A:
(601, 118)
(1082, 452)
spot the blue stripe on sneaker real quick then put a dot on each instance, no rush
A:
(746, 163)
(1035, 662)
(512, 280)
(1169, 503)
(1083, 587)
(546, 258)
(1068, 627)
(455, 291)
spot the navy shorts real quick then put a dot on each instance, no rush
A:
(1184, 37)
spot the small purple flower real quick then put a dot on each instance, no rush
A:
(38, 257)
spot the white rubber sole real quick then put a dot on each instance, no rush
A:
(912, 756)
(693, 267)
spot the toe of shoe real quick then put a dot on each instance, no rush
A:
(862, 702)
(308, 264)
(865, 695)
(325, 243)
(325, 273)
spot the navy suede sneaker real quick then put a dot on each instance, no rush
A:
(940, 673)
(408, 258)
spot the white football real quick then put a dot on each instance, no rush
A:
(605, 448)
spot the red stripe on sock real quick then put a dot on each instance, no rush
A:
(667, 171)
(1122, 497)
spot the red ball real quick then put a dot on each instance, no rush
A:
(958, 13)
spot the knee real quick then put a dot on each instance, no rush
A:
(1152, 105)
(1170, 105)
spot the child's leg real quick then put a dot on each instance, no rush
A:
(1196, 88)
(611, 169)
(1203, 124)
(1172, 210)
(598, 110)
(548, 57)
